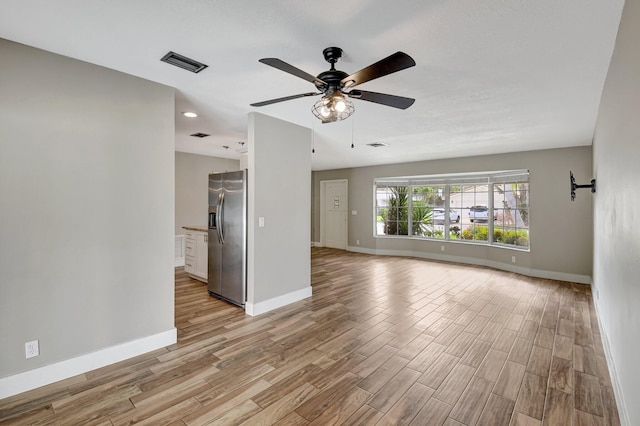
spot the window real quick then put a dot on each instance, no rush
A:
(392, 210)
(427, 204)
(511, 213)
(483, 208)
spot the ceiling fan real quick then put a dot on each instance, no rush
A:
(337, 86)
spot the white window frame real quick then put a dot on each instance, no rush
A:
(482, 178)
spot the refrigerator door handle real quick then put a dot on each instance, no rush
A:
(221, 220)
(218, 212)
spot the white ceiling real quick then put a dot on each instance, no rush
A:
(491, 76)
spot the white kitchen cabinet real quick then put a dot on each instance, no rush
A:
(202, 258)
(196, 254)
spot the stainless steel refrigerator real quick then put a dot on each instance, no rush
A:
(228, 236)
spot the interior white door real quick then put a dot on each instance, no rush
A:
(335, 213)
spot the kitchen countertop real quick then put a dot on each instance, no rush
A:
(196, 228)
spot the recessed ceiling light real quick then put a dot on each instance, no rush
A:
(190, 114)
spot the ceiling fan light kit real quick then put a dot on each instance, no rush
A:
(333, 108)
(336, 85)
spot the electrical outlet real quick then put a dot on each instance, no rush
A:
(357, 242)
(441, 248)
(31, 349)
(513, 259)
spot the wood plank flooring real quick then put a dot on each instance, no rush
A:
(383, 341)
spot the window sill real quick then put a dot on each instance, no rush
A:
(466, 242)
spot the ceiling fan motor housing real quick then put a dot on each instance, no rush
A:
(332, 78)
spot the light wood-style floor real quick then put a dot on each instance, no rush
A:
(383, 340)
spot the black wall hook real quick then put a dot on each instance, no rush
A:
(574, 186)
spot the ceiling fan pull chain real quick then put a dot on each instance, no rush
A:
(313, 137)
(352, 120)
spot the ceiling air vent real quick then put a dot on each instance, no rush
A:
(183, 62)
(377, 144)
(200, 135)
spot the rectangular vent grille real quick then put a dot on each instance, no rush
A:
(377, 144)
(200, 135)
(183, 62)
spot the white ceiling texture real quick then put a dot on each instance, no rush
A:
(491, 76)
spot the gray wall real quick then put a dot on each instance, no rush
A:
(616, 157)
(279, 191)
(561, 233)
(192, 179)
(87, 205)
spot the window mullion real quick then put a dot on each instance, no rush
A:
(447, 215)
(410, 210)
(491, 213)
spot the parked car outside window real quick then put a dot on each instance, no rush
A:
(438, 216)
(479, 214)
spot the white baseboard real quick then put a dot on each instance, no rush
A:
(42, 376)
(316, 244)
(560, 276)
(615, 383)
(254, 309)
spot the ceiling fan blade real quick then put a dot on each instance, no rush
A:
(286, 98)
(382, 98)
(393, 63)
(283, 66)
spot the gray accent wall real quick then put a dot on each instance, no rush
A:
(561, 237)
(192, 182)
(86, 207)
(616, 165)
